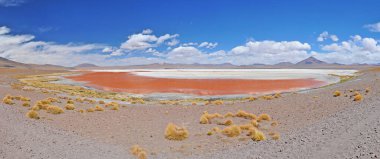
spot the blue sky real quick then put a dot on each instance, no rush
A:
(240, 32)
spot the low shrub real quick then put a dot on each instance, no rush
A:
(8, 100)
(137, 151)
(336, 93)
(232, 131)
(226, 123)
(115, 107)
(255, 123)
(99, 108)
(218, 102)
(229, 114)
(256, 135)
(70, 102)
(90, 110)
(252, 99)
(206, 117)
(264, 117)
(246, 126)
(174, 132)
(54, 109)
(33, 114)
(358, 97)
(26, 104)
(277, 95)
(102, 102)
(246, 115)
(70, 107)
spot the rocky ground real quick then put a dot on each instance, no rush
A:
(312, 124)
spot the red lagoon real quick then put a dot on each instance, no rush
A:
(128, 82)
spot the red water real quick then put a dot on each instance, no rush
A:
(127, 82)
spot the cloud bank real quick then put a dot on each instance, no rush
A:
(146, 48)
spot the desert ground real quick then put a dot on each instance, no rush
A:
(308, 124)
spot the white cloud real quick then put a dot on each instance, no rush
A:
(373, 27)
(325, 35)
(173, 42)
(355, 50)
(11, 3)
(4, 30)
(208, 45)
(147, 31)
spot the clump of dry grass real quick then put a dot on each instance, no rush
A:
(69, 107)
(193, 103)
(80, 100)
(111, 104)
(367, 90)
(229, 114)
(226, 123)
(52, 100)
(25, 99)
(218, 102)
(36, 108)
(33, 114)
(275, 136)
(246, 115)
(54, 109)
(336, 93)
(277, 95)
(8, 100)
(274, 123)
(70, 102)
(267, 97)
(99, 108)
(246, 126)
(232, 131)
(174, 132)
(26, 104)
(137, 151)
(81, 111)
(252, 99)
(358, 96)
(255, 123)
(256, 135)
(264, 117)
(206, 117)
(102, 102)
(115, 107)
(90, 110)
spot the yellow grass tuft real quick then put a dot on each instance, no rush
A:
(256, 135)
(267, 97)
(70, 102)
(246, 126)
(36, 108)
(25, 99)
(358, 97)
(246, 115)
(26, 104)
(255, 123)
(275, 123)
(226, 123)
(252, 99)
(336, 93)
(275, 136)
(33, 114)
(90, 110)
(174, 132)
(229, 114)
(218, 102)
(264, 117)
(99, 108)
(81, 111)
(115, 107)
(277, 95)
(232, 131)
(367, 90)
(206, 117)
(193, 103)
(8, 100)
(102, 102)
(54, 109)
(137, 151)
(70, 107)
(111, 104)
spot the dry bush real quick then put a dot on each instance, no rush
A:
(137, 151)
(246, 126)
(102, 102)
(226, 123)
(80, 100)
(216, 129)
(25, 99)
(255, 123)
(81, 111)
(229, 114)
(277, 95)
(275, 123)
(264, 117)
(52, 100)
(256, 134)
(218, 102)
(336, 93)
(54, 109)
(36, 108)
(356, 93)
(99, 108)
(367, 90)
(111, 104)
(174, 132)
(17, 97)
(70, 102)
(26, 104)
(33, 114)
(267, 97)
(90, 110)
(246, 115)
(252, 99)
(358, 97)
(8, 100)
(115, 107)
(275, 136)
(232, 131)
(206, 117)
(193, 103)
(70, 107)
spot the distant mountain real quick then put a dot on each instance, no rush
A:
(284, 64)
(83, 65)
(6, 63)
(311, 61)
(11, 64)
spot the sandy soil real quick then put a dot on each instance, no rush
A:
(312, 124)
(127, 82)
